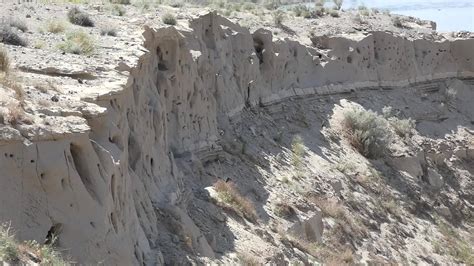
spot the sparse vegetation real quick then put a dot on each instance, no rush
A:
(56, 26)
(118, 10)
(298, 151)
(278, 17)
(403, 127)
(24, 253)
(108, 30)
(169, 19)
(366, 131)
(79, 17)
(334, 13)
(78, 42)
(228, 194)
(4, 60)
(454, 244)
(9, 35)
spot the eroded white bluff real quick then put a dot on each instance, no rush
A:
(113, 185)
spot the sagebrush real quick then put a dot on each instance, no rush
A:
(228, 193)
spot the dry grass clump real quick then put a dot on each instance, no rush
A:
(9, 35)
(228, 194)
(56, 26)
(366, 131)
(298, 151)
(169, 19)
(4, 60)
(79, 17)
(78, 42)
(25, 253)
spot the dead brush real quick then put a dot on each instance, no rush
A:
(228, 194)
(16, 115)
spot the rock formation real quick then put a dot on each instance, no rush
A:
(114, 172)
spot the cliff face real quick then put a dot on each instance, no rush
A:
(110, 181)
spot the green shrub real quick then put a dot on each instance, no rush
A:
(169, 19)
(78, 42)
(367, 132)
(403, 127)
(79, 17)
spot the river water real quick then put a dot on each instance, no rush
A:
(449, 15)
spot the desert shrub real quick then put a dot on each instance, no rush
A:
(397, 22)
(298, 151)
(8, 246)
(403, 127)
(338, 4)
(108, 30)
(319, 11)
(79, 17)
(4, 61)
(169, 19)
(228, 193)
(319, 3)
(56, 26)
(278, 17)
(13, 251)
(121, 2)
(9, 35)
(19, 24)
(334, 13)
(366, 131)
(299, 10)
(118, 10)
(78, 42)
